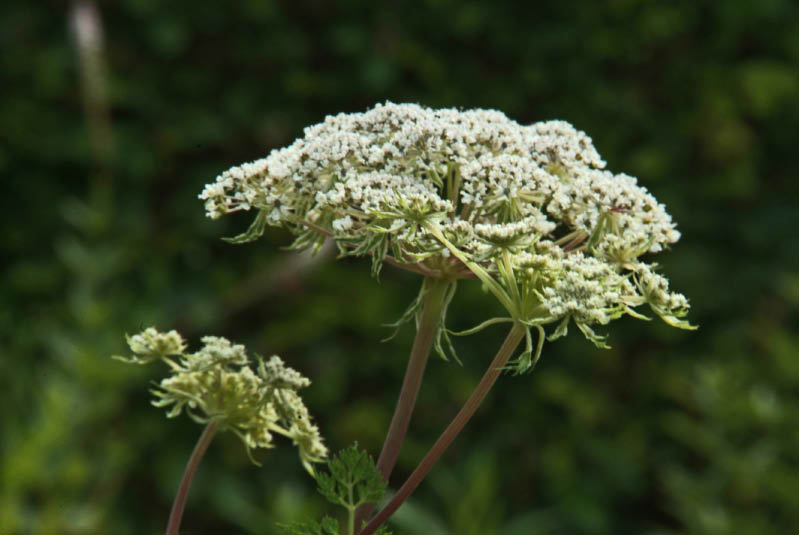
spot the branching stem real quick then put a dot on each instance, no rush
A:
(507, 349)
(433, 302)
(418, 267)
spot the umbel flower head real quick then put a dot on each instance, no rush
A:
(529, 210)
(218, 382)
(150, 345)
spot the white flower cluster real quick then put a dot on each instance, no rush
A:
(443, 189)
(150, 345)
(654, 288)
(588, 290)
(475, 165)
(216, 351)
(217, 382)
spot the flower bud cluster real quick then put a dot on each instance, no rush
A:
(654, 290)
(219, 383)
(471, 190)
(588, 290)
(150, 345)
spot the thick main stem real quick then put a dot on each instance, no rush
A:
(464, 415)
(173, 528)
(425, 332)
(433, 302)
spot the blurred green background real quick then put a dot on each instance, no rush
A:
(668, 432)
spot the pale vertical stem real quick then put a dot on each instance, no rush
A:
(510, 344)
(87, 29)
(173, 528)
(350, 516)
(433, 303)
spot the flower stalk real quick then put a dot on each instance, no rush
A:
(512, 341)
(173, 527)
(221, 387)
(434, 300)
(423, 342)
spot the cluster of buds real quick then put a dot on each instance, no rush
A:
(529, 210)
(221, 383)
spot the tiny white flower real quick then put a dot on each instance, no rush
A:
(343, 224)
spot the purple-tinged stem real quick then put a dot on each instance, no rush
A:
(510, 344)
(173, 528)
(425, 333)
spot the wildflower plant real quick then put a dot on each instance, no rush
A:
(221, 387)
(528, 210)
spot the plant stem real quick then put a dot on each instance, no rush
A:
(173, 528)
(510, 344)
(350, 517)
(425, 333)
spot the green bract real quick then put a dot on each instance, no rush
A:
(218, 383)
(529, 210)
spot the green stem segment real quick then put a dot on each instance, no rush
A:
(350, 515)
(435, 291)
(173, 528)
(507, 349)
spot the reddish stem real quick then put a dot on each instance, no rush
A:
(173, 528)
(510, 344)
(425, 333)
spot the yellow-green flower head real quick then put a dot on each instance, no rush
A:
(150, 345)
(216, 351)
(220, 382)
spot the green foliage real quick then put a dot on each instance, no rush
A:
(353, 480)
(327, 526)
(668, 432)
